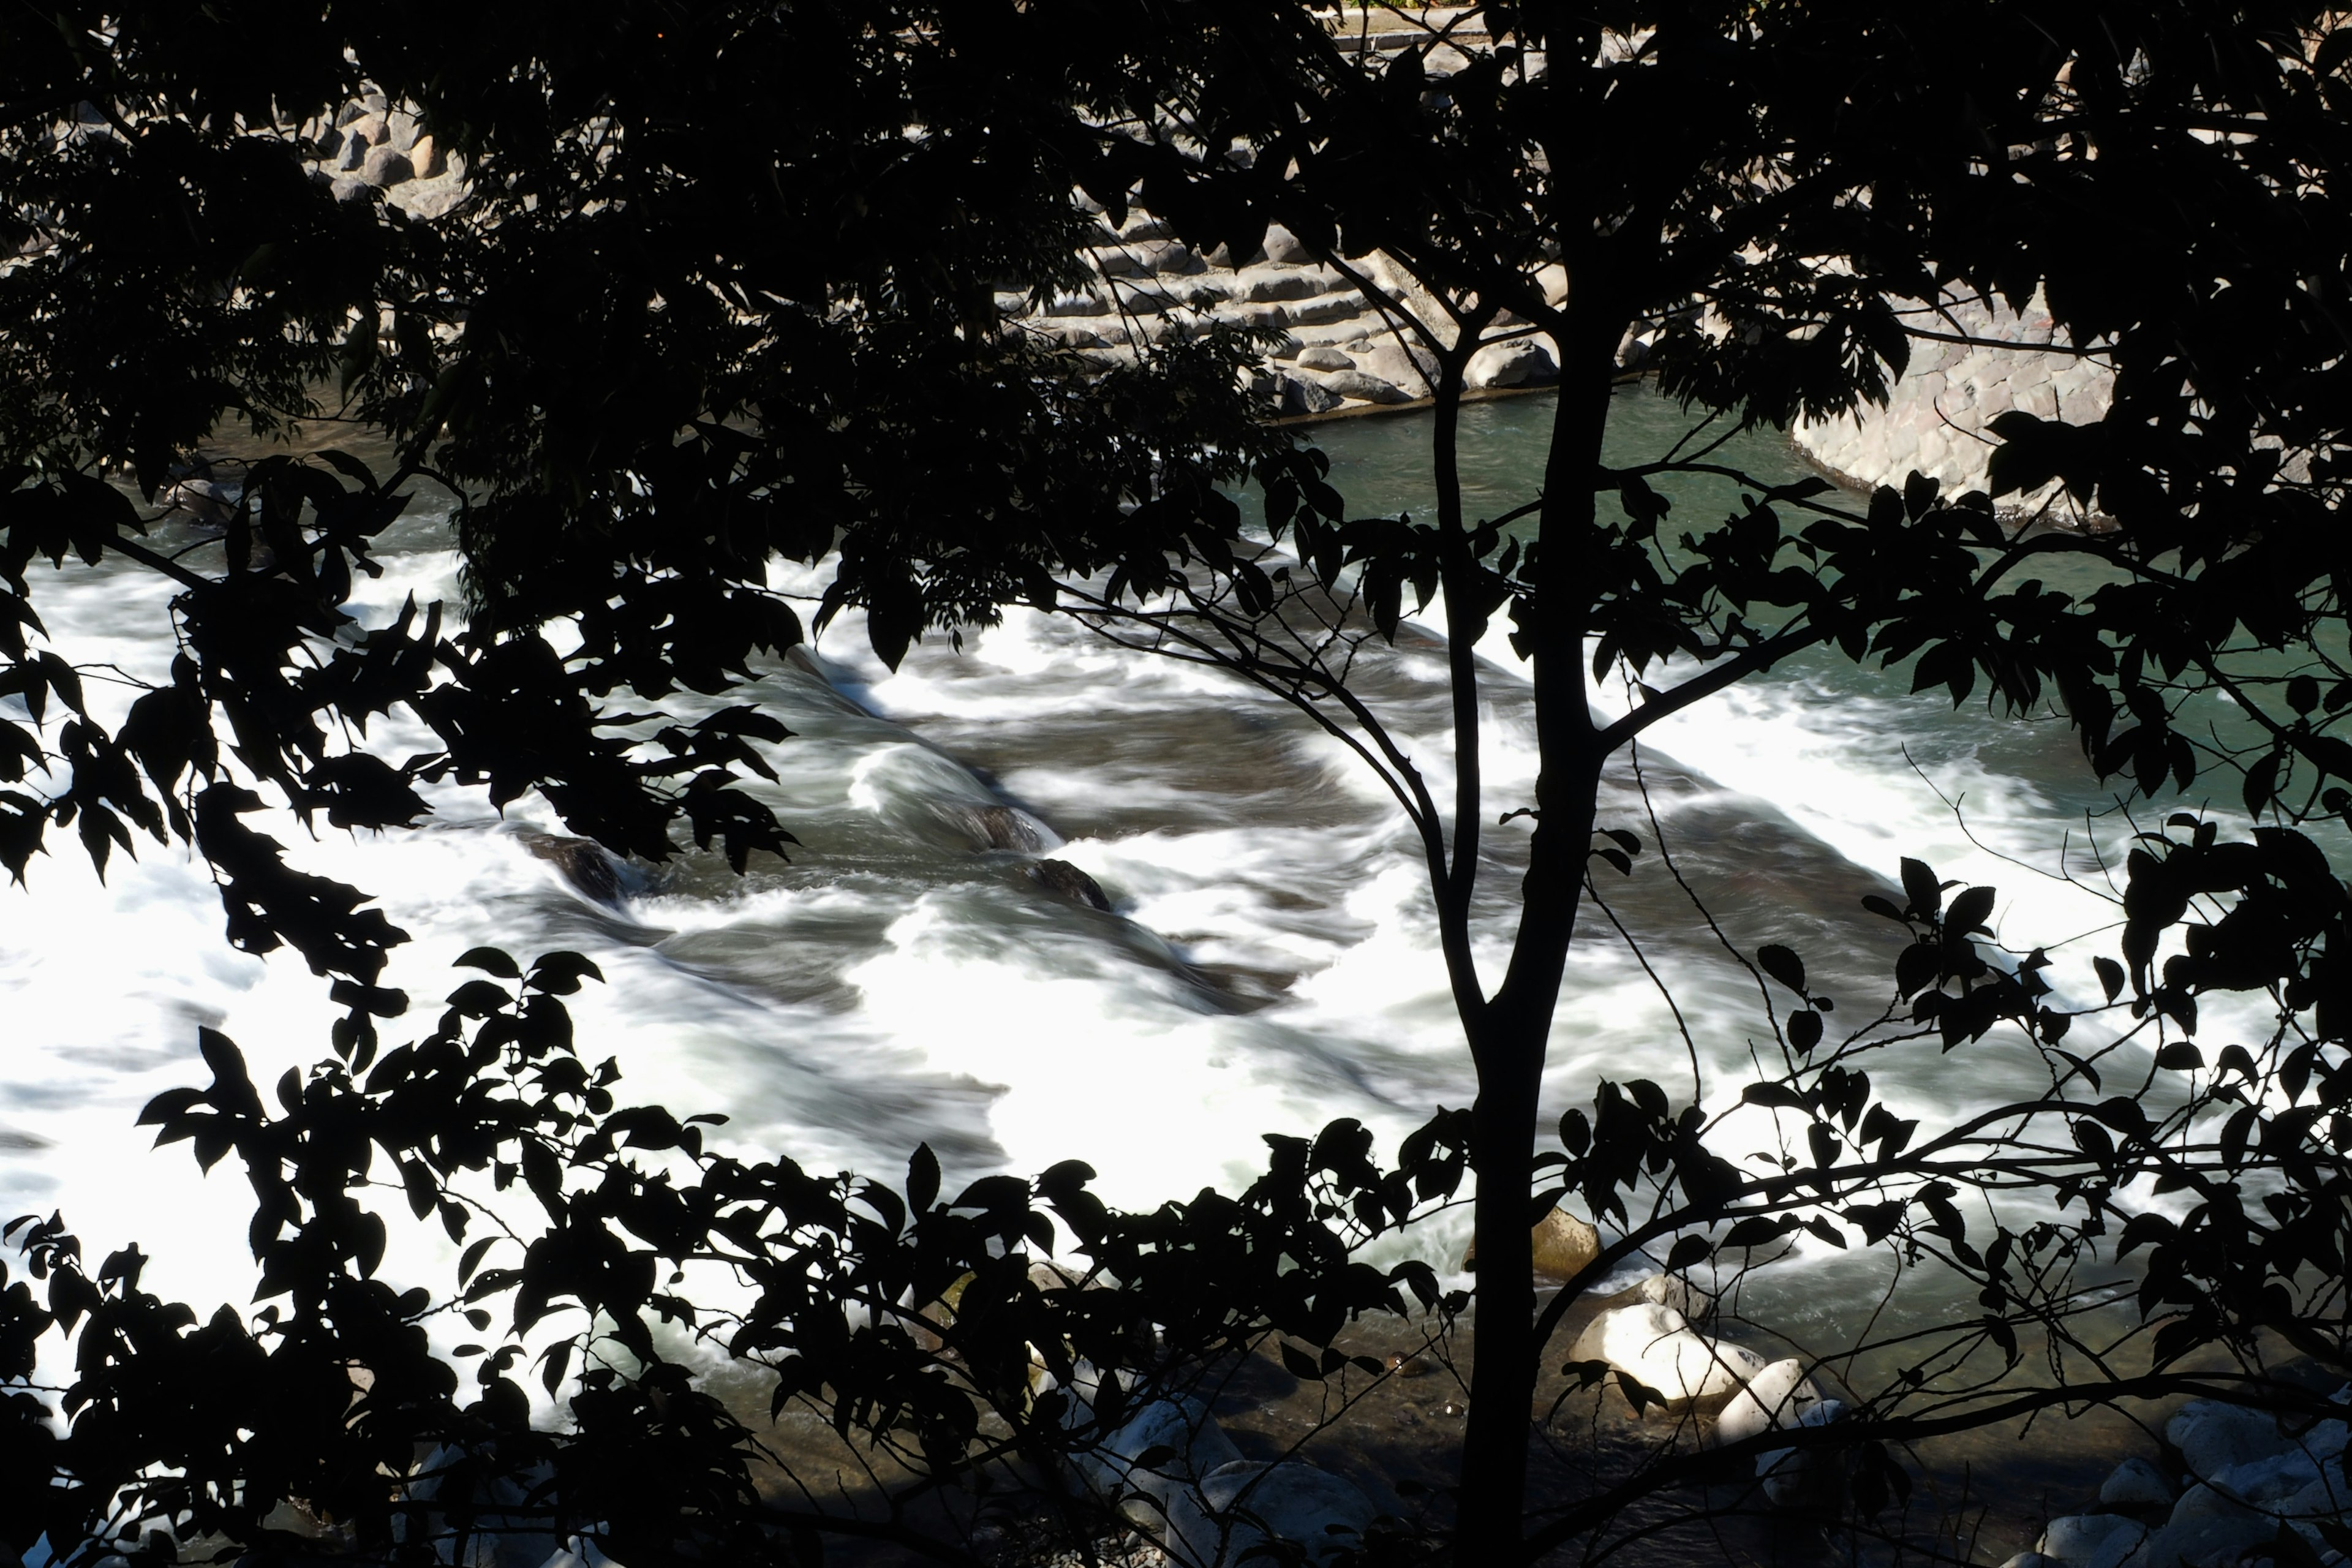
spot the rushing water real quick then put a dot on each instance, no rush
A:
(1268, 963)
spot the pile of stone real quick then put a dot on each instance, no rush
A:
(1346, 338)
(374, 144)
(2242, 1477)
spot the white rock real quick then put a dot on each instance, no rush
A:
(2266, 1479)
(1552, 279)
(1336, 307)
(1414, 369)
(1244, 1504)
(1673, 1291)
(2324, 1497)
(426, 155)
(1262, 284)
(1084, 304)
(2213, 1436)
(2136, 1483)
(1518, 363)
(1795, 1476)
(2091, 1540)
(399, 130)
(1775, 1399)
(1283, 245)
(1325, 359)
(1656, 1347)
(1365, 388)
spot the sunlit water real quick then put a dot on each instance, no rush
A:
(1268, 964)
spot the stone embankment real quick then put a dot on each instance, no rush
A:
(1982, 360)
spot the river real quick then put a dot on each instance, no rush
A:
(1268, 963)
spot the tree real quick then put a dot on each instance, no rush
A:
(1761, 185)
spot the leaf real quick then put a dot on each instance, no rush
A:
(1970, 911)
(922, 1179)
(1805, 1030)
(2111, 976)
(1919, 885)
(1783, 965)
(1687, 1251)
(490, 960)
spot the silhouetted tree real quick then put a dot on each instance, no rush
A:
(722, 290)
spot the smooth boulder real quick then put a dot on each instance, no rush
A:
(2136, 1483)
(1774, 1400)
(1810, 1477)
(1654, 1346)
(2092, 1539)
(1248, 1505)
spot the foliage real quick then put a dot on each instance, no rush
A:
(711, 300)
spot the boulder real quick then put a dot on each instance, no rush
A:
(399, 130)
(1325, 357)
(1414, 368)
(2092, 1539)
(1259, 285)
(2136, 1483)
(588, 865)
(1673, 1291)
(1302, 396)
(352, 153)
(2202, 1541)
(1521, 362)
(1654, 1346)
(1345, 305)
(1285, 246)
(1774, 1400)
(2267, 1479)
(1362, 387)
(2212, 1436)
(998, 826)
(343, 188)
(1061, 877)
(386, 165)
(426, 156)
(1246, 1506)
(1805, 1478)
(1560, 1246)
(1564, 1245)
(1185, 1444)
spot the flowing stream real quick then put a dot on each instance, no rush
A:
(1268, 963)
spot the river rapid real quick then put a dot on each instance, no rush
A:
(1268, 963)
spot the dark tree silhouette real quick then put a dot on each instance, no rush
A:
(722, 289)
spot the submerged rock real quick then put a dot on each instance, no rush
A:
(1061, 877)
(589, 867)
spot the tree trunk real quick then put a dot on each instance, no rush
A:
(1509, 1035)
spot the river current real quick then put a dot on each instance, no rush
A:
(1268, 963)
